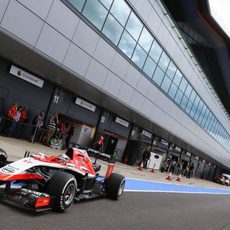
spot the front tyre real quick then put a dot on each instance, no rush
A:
(3, 158)
(62, 186)
(114, 186)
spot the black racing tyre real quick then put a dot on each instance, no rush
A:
(62, 186)
(114, 186)
(3, 158)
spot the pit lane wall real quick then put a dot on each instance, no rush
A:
(50, 28)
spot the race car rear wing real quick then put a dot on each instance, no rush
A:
(102, 156)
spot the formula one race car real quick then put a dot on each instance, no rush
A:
(38, 182)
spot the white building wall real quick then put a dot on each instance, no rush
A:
(72, 44)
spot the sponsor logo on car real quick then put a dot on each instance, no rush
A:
(8, 169)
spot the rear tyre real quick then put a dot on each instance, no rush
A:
(62, 186)
(114, 186)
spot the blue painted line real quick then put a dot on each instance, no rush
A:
(150, 186)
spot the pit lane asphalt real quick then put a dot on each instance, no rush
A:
(135, 210)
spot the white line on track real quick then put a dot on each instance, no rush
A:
(163, 191)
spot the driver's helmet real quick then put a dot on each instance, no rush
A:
(63, 158)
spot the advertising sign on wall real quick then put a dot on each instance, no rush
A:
(26, 76)
(85, 104)
(122, 122)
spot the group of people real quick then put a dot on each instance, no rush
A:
(16, 116)
(56, 129)
(178, 167)
(57, 133)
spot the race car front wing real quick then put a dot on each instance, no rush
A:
(26, 198)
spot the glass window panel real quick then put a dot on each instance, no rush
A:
(78, 4)
(205, 120)
(192, 96)
(172, 90)
(106, 3)
(221, 134)
(179, 96)
(200, 106)
(145, 40)
(127, 44)
(149, 67)
(188, 90)
(202, 114)
(217, 130)
(112, 29)
(134, 26)
(183, 84)
(164, 61)
(184, 102)
(95, 12)
(193, 110)
(158, 76)
(210, 124)
(188, 107)
(204, 110)
(155, 51)
(207, 126)
(166, 84)
(197, 114)
(197, 101)
(171, 70)
(177, 77)
(212, 119)
(120, 11)
(200, 119)
(214, 126)
(139, 56)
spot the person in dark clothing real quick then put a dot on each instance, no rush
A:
(38, 123)
(51, 129)
(172, 166)
(68, 137)
(8, 122)
(145, 157)
(15, 122)
(190, 170)
(23, 119)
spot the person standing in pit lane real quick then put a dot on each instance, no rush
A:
(69, 134)
(51, 128)
(38, 123)
(15, 122)
(8, 122)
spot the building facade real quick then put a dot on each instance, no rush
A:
(121, 69)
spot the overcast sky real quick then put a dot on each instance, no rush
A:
(220, 10)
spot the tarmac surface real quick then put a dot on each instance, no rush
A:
(156, 211)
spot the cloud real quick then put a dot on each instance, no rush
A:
(220, 10)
